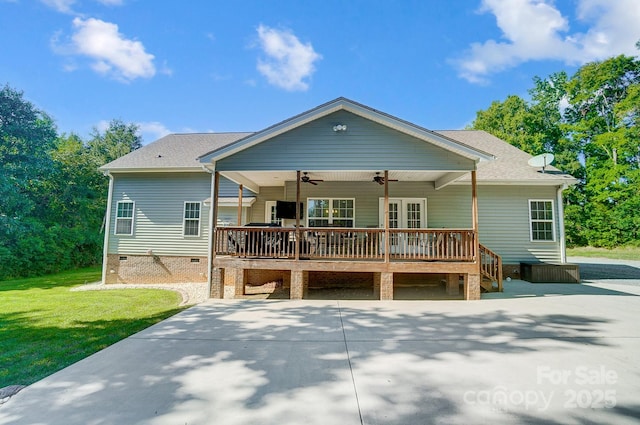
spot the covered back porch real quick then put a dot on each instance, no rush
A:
(386, 253)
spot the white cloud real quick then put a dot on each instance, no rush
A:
(536, 30)
(288, 62)
(111, 53)
(63, 6)
(152, 130)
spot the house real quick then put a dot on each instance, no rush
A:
(340, 191)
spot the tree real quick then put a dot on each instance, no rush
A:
(53, 197)
(27, 136)
(118, 140)
(602, 119)
(590, 122)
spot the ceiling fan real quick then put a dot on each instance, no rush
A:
(306, 179)
(380, 180)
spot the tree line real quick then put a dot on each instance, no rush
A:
(52, 196)
(590, 121)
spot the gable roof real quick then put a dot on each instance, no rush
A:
(344, 104)
(174, 152)
(499, 162)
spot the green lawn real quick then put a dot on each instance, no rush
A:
(620, 253)
(45, 327)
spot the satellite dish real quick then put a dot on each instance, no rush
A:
(541, 160)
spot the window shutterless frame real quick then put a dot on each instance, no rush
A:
(542, 224)
(125, 211)
(191, 219)
(322, 212)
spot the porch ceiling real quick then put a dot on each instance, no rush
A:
(278, 178)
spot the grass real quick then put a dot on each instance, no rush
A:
(45, 327)
(619, 253)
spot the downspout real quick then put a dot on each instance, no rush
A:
(210, 239)
(107, 228)
(563, 243)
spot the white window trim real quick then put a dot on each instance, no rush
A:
(132, 218)
(184, 219)
(330, 218)
(553, 221)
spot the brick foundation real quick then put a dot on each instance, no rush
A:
(155, 269)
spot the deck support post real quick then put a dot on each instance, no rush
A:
(472, 286)
(386, 285)
(376, 286)
(299, 284)
(298, 233)
(238, 276)
(217, 283)
(213, 225)
(387, 242)
(453, 282)
(474, 213)
(240, 190)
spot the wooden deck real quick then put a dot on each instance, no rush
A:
(453, 253)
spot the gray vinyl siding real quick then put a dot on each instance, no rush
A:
(266, 194)
(159, 207)
(504, 223)
(229, 189)
(365, 145)
(448, 207)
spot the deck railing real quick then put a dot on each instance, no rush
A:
(347, 243)
(491, 265)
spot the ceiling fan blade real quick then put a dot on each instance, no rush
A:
(313, 182)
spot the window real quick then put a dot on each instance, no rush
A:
(124, 218)
(541, 218)
(191, 225)
(330, 212)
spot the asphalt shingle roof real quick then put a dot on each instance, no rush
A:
(174, 151)
(510, 162)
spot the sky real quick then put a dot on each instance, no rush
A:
(224, 66)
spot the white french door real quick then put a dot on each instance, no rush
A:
(270, 213)
(404, 213)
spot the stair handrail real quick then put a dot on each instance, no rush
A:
(491, 265)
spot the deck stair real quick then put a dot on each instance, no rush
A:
(491, 270)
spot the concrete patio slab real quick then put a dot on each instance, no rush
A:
(537, 353)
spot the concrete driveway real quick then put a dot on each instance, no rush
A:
(533, 354)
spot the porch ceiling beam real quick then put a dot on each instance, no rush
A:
(447, 179)
(241, 179)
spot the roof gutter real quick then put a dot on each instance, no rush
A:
(107, 228)
(210, 168)
(563, 242)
